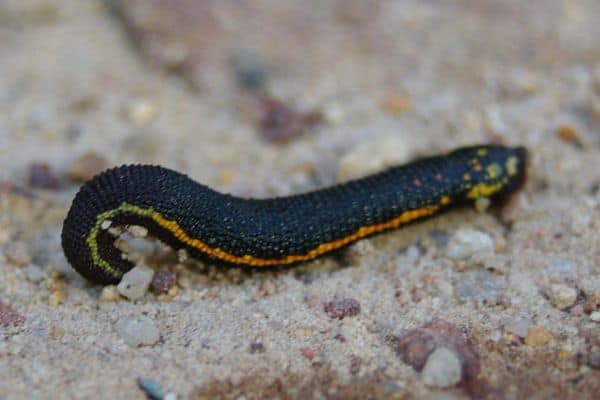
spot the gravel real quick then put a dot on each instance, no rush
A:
(468, 242)
(135, 282)
(442, 369)
(137, 331)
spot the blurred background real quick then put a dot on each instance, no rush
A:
(325, 90)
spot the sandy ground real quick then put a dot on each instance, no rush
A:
(513, 294)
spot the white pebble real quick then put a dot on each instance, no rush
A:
(518, 326)
(467, 242)
(34, 273)
(134, 283)
(595, 316)
(137, 331)
(442, 369)
(105, 224)
(142, 111)
(562, 296)
(138, 231)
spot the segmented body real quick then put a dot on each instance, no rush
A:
(279, 231)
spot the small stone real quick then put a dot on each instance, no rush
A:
(138, 231)
(518, 327)
(141, 111)
(416, 346)
(334, 113)
(257, 347)
(479, 284)
(562, 296)
(577, 310)
(358, 251)
(281, 122)
(109, 293)
(595, 316)
(442, 369)
(56, 332)
(250, 69)
(538, 336)
(34, 273)
(86, 167)
(42, 176)
(152, 388)
(467, 242)
(594, 360)
(56, 298)
(308, 353)
(17, 253)
(268, 288)
(135, 283)
(495, 336)
(342, 308)
(569, 133)
(482, 204)
(373, 156)
(163, 281)
(396, 105)
(137, 331)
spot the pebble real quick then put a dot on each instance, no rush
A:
(562, 296)
(109, 293)
(86, 167)
(56, 298)
(138, 231)
(373, 156)
(538, 336)
(135, 283)
(18, 253)
(359, 251)
(34, 273)
(152, 388)
(594, 360)
(42, 176)
(442, 369)
(141, 111)
(250, 69)
(342, 308)
(267, 288)
(163, 280)
(467, 242)
(479, 284)
(396, 105)
(137, 331)
(257, 347)
(595, 316)
(518, 327)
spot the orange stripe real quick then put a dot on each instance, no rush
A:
(247, 259)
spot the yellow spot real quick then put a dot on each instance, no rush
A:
(494, 171)
(511, 165)
(466, 177)
(484, 190)
(482, 152)
(445, 200)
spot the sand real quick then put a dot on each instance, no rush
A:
(502, 304)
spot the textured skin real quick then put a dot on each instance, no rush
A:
(273, 228)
